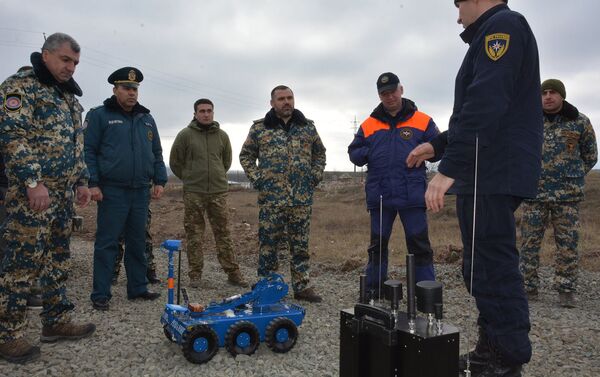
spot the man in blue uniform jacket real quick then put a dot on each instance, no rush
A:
(497, 113)
(383, 141)
(124, 157)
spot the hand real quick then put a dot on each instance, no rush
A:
(419, 154)
(157, 191)
(434, 196)
(83, 196)
(96, 194)
(39, 200)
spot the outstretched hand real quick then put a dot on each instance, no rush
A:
(421, 153)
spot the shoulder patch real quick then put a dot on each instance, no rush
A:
(13, 102)
(496, 45)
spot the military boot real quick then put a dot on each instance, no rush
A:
(307, 294)
(235, 278)
(151, 275)
(567, 299)
(68, 331)
(498, 367)
(479, 358)
(19, 351)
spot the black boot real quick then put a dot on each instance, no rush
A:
(479, 358)
(498, 367)
(151, 275)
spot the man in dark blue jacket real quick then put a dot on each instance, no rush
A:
(124, 157)
(493, 145)
(383, 142)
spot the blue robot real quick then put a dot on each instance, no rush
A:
(238, 323)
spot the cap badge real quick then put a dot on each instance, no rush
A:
(131, 75)
(385, 79)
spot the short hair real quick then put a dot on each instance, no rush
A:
(54, 41)
(279, 87)
(204, 101)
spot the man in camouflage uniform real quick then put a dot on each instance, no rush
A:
(291, 160)
(569, 153)
(42, 142)
(201, 157)
(151, 270)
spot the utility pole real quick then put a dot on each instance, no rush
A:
(354, 131)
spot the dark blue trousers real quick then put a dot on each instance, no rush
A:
(414, 222)
(121, 211)
(497, 281)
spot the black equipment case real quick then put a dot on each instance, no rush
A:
(373, 343)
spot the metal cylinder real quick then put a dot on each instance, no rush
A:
(410, 287)
(429, 293)
(362, 298)
(439, 311)
(393, 292)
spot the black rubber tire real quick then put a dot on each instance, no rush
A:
(271, 333)
(201, 331)
(236, 329)
(168, 334)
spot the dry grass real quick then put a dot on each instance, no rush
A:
(340, 226)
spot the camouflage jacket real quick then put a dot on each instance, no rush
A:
(569, 153)
(41, 134)
(290, 163)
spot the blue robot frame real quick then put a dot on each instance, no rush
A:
(238, 323)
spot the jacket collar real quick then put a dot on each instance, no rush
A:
(408, 109)
(568, 111)
(197, 126)
(272, 121)
(45, 77)
(469, 33)
(112, 104)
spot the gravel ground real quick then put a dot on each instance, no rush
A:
(129, 340)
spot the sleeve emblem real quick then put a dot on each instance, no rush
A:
(13, 102)
(496, 45)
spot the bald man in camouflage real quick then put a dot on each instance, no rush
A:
(569, 153)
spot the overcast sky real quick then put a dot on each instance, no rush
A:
(329, 52)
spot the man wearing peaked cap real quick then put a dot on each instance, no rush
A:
(124, 156)
(130, 77)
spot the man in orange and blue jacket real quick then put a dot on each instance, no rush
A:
(383, 142)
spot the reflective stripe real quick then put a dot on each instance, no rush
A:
(171, 283)
(418, 121)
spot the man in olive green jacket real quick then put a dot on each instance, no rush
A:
(200, 157)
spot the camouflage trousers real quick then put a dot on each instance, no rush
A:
(149, 247)
(291, 225)
(215, 208)
(564, 217)
(37, 247)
